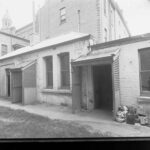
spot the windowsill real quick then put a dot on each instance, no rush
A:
(59, 91)
(143, 99)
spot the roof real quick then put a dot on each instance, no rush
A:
(14, 36)
(28, 25)
(93, 56)
(124, 41)
(47, 43)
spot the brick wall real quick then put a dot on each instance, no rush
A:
(129, 73)
(92, 19)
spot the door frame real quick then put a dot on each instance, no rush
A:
(17, 70)
(113, 91)
(8, 72)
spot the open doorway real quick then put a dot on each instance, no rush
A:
(8, 83)
(16, 85)
(103, 92)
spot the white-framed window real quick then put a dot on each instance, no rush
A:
(4, 49)
(63, 15)
(144, 55)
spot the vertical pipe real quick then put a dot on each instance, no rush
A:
(39, 22)
(79, 20)
(33, 10)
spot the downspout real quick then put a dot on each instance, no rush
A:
(79, 21)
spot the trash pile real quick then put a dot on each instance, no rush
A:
(131, 115)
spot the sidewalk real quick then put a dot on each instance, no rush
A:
(95, 120)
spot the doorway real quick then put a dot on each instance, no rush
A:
(16, 86)
(8, 83)
(103, 92)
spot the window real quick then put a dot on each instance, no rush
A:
(49, 71)
(145, 71)
(37, 26)
(112, 17)
(65, 70)
(62, 15)
(105, 37)
(3, 49)
(105, 7)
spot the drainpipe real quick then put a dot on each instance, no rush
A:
(79, 20)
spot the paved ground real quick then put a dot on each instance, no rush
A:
(97, 120)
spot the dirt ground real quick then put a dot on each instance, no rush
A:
(64, 123)
(20, 124)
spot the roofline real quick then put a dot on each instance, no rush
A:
(124, 41)
(115, 5)
(24, 27)
(14, 36)
(53, 46)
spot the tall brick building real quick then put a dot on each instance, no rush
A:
(101, 18)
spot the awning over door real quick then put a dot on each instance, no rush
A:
(104, 56)
(22, 66)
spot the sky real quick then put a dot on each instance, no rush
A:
(20, 11)
(135, 12)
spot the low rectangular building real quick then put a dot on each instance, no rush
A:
(70, 70)
(42, 72)
(113, 74)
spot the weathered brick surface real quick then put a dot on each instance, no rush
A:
(92, 19)
(129, 73)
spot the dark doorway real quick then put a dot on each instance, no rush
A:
(16, 86)
(8, 84)
(103, 93)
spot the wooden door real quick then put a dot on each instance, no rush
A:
(29, 84)
(17, 86)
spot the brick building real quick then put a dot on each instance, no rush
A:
(101, 18)
(102, 76)
(113, 74)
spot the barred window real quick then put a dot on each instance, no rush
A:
(49, 71)
(65, 70)
(145, 71)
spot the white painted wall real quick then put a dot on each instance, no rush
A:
(129, 73)
(55, 95)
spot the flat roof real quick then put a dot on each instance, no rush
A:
(123, 41)
(94, 56)
(47, 43)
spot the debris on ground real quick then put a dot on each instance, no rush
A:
(121, 114)
(132, 115)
